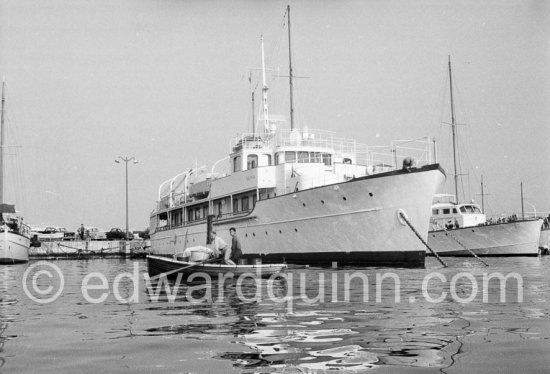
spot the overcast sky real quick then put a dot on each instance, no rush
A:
(167, 82)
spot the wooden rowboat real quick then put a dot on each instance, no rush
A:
(158, 266)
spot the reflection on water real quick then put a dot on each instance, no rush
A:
(311, 327)
(8, 304)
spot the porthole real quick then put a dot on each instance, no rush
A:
(280, 232)
(246, 235)
(296, 230)
(304, 204)
(254, 234)
(322, 201)
(370, 194)
(266, 232)
(344, 198)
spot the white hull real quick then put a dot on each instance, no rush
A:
(519, 238)
(14, 248)
(354, 222)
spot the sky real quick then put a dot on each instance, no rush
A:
(166, 81)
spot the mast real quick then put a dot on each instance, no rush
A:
(264, 91)
(291, 77)
(253, 119)
(521, 190)
(483, 194)
(2, 143)
(453, 127)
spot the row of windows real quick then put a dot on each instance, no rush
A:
(286, 157)
(463, 209)
(303, 157)
(443, 211)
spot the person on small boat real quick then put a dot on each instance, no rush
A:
(220, 248)
(236, 251)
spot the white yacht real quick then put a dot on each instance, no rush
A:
(14, 235)
(302, 196)
(461, 229)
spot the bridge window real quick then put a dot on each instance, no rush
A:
(290, 157)
(347, 160)
(251, 161)
(237, 164)
(327, 159)
(316, 157)
(446, 211)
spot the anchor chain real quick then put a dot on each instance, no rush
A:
(404, 216)
(466, 248)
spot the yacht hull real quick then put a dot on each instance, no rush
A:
(14, 248)
(520, 238)
(351, 223)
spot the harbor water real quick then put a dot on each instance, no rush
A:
(105, 315)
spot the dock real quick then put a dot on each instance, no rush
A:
(77, 249)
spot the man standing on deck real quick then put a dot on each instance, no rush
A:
(81, 232)
(236, 251)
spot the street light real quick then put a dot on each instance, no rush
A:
(126, 160)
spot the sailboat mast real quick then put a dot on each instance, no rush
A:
(264, 91)
(291, 77)
(482, 196)
(2, 143)
(453, 127)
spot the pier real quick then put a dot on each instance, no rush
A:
(89, 248)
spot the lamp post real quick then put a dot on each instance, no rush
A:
(126, 160)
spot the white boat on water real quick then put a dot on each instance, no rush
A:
(301, 196)
(14, 237)
(458, 229)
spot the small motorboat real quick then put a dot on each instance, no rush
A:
(159, 266)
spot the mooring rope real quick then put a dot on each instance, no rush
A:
(402, 215)
(466, 248)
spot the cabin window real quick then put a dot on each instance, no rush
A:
(190, 215)
(316, 157)
(197, 214)
(251, 161)
(277, 155)
(446, 211)
(303, 157)
(235, 205)
(237, 163)
(268, 157)
(254, 197)
(347, 161)
(477, 210)
(435, 212)
(290, 157)
(327, 159)
(245, 203)
(454, 211)
(177, 217)
(205, 211)
(218, 208)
